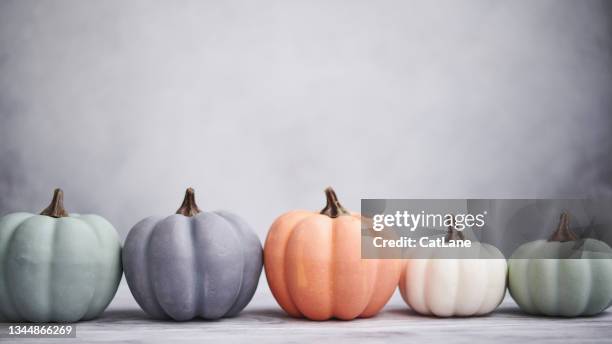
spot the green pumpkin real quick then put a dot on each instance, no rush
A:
(562, 276)
(56, 267)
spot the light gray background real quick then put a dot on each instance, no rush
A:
(259, 105)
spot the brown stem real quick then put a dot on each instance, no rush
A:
(333, 208)
(453, 233)
(563, 232)
(189, 206)
(56, 207)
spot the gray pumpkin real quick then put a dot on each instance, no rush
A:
(192, 264)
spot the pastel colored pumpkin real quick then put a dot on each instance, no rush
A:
(56, 267)
(562, 276)
(314, 268)
(455, 286)
(192, 264)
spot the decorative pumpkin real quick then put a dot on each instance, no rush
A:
(314, 268)
(455, 286)
(192, 264)
(56, 267)
(562, 276)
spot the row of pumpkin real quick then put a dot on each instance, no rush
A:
(60, 267)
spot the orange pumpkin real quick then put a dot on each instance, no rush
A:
(314, 268)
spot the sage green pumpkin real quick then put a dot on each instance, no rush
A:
(56, 267)
(562, 276)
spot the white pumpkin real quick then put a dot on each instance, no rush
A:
(456, 286)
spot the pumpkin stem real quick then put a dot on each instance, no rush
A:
(56, 207)
(453, 233)
(563, 232)
(333, 208)
(189, 206)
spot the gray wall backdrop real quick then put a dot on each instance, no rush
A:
(259, 105)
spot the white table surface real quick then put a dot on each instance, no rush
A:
(264, 322)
